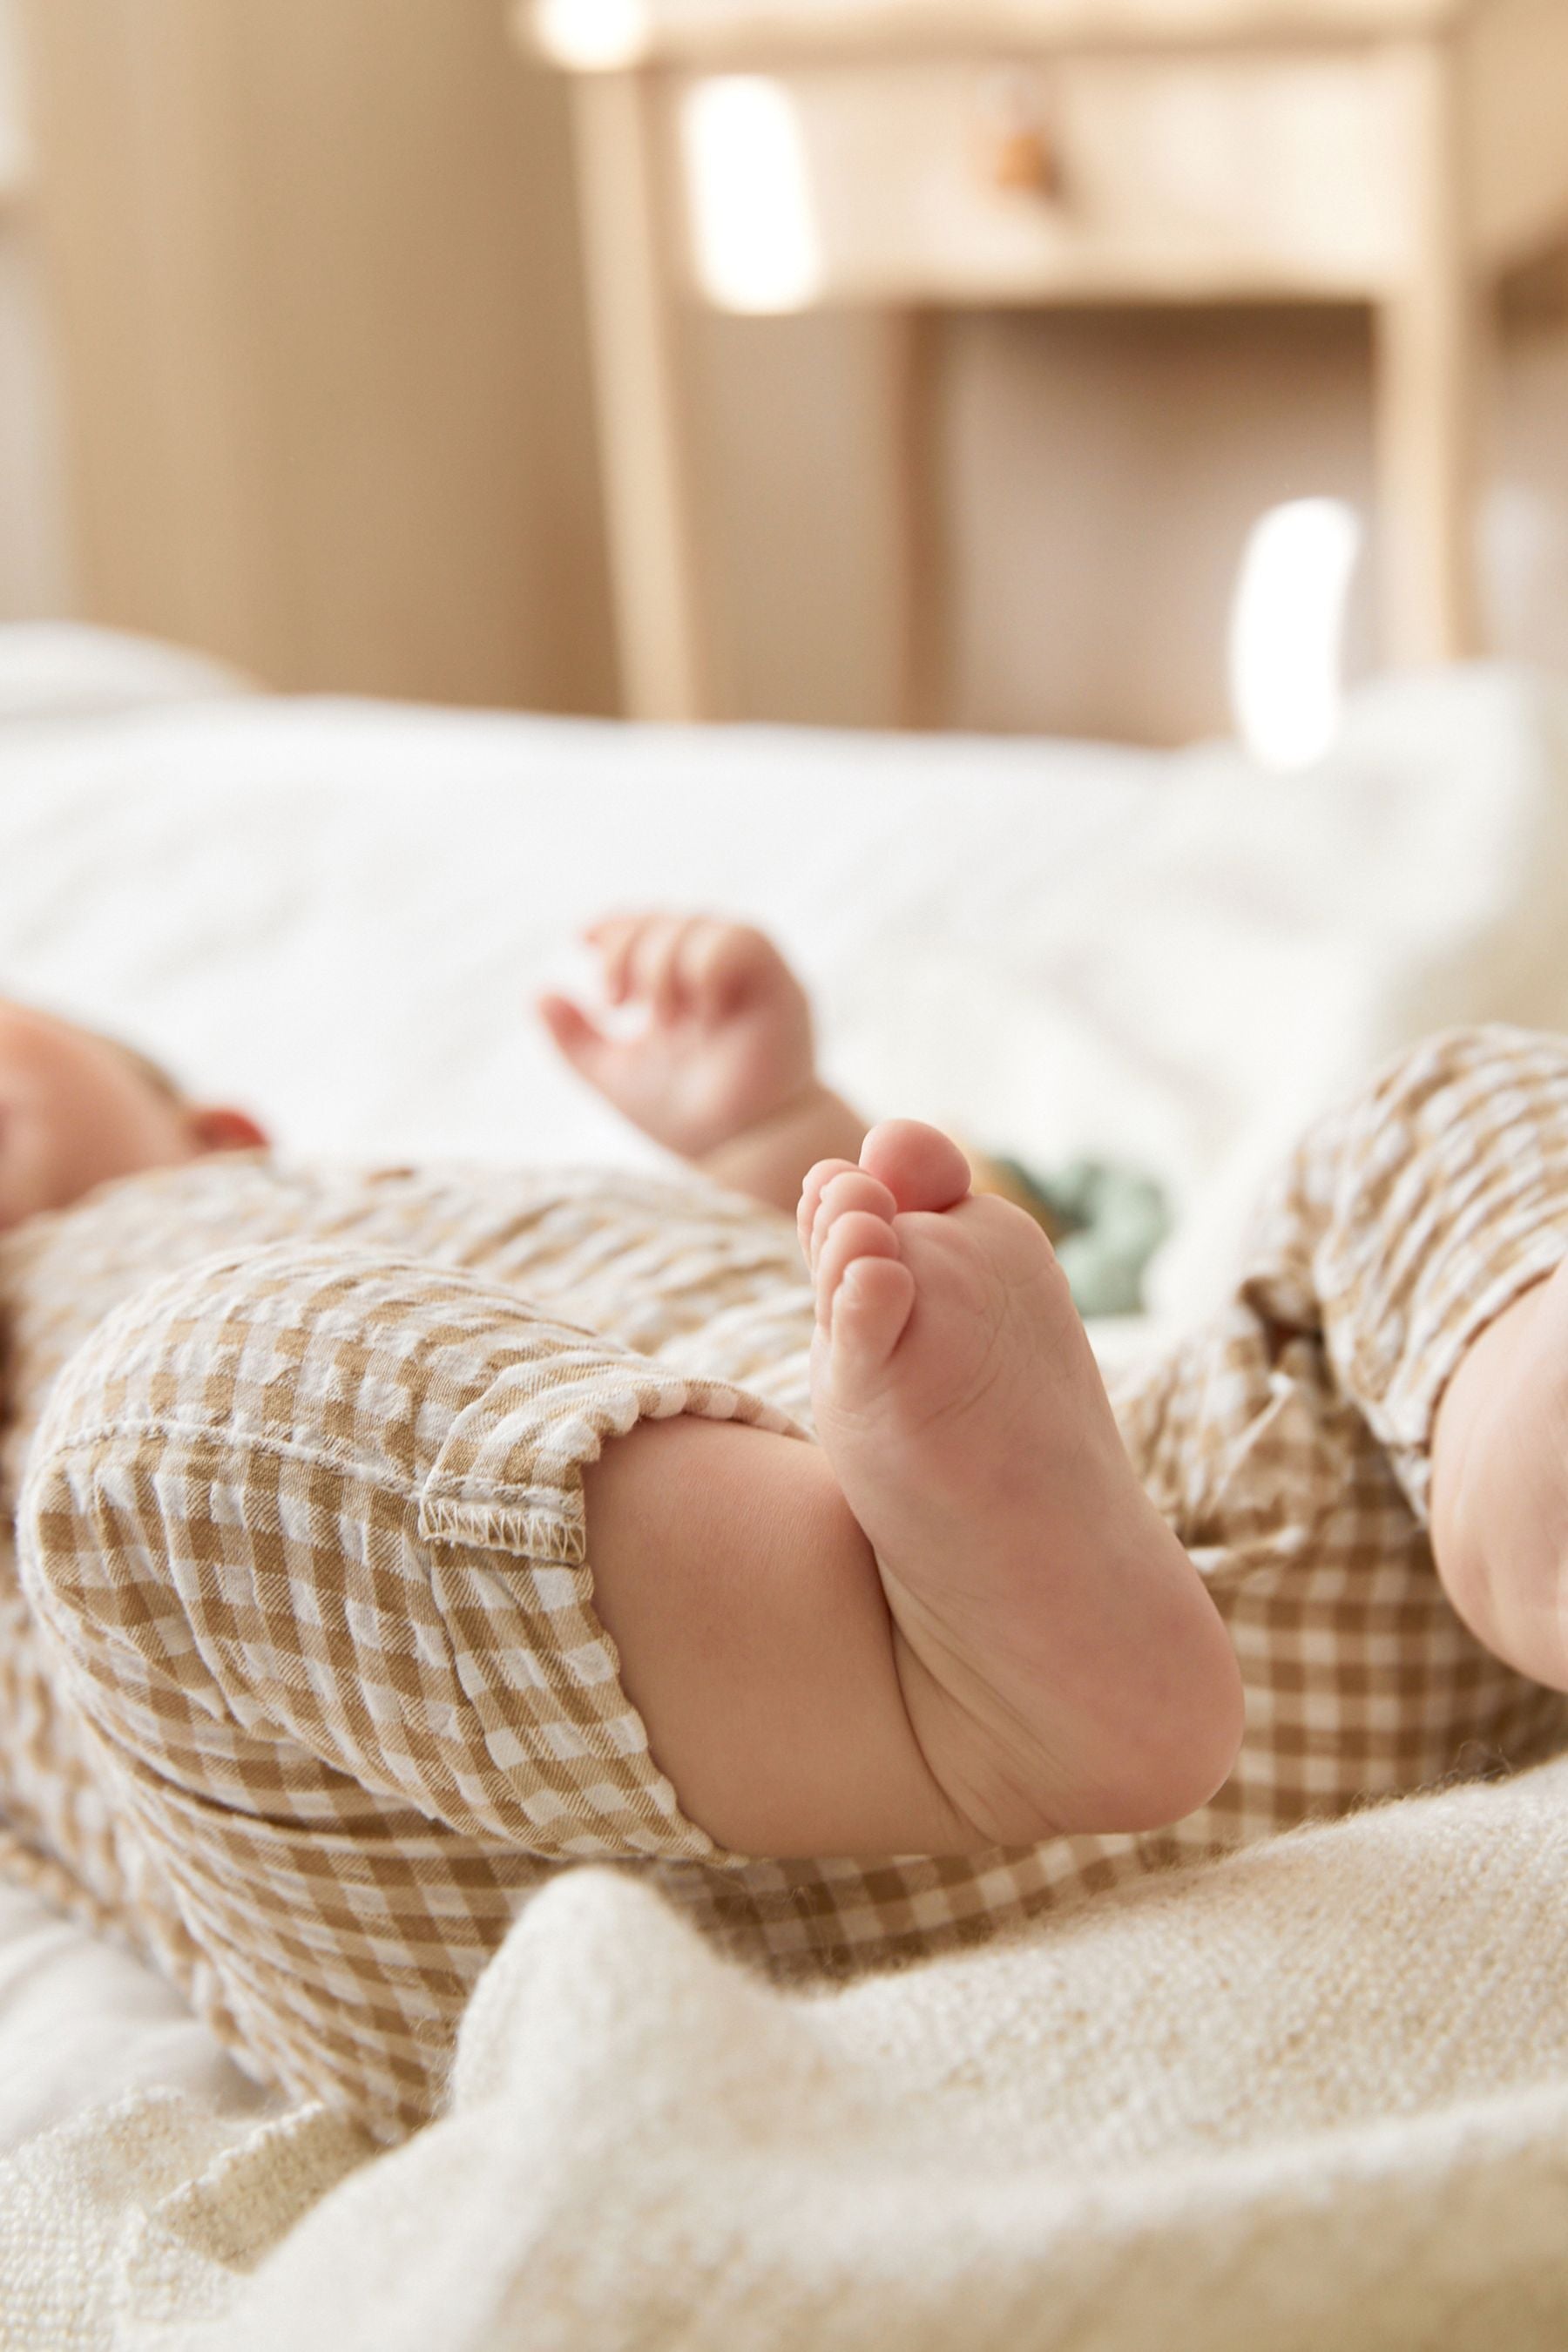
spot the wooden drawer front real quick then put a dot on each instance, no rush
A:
(1173, 179)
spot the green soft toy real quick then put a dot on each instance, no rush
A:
(1105, 1221)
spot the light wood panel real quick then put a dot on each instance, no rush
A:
(322, 350)
(644, 407)
(34, 578)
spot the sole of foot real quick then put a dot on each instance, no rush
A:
(1063, 1666)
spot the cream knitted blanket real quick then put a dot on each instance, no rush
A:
(1315, 2094)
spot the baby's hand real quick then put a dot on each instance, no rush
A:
(728, 1044)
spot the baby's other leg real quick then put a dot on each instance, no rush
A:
(1431, 1217)
(1499, 1483)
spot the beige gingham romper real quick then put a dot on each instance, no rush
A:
(301, 1686)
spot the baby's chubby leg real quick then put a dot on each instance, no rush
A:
(1421, 1231)
(1499, 1485)
(960, 1623)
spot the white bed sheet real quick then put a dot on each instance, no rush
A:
(339, 913)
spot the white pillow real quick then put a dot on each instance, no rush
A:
(55, 670)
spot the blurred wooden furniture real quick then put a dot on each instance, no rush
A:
(321, 366)
(931, 152)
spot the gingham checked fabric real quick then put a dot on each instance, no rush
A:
(303, 1684)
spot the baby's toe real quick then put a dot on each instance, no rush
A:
(921, 1168)
(870, 1308)
(817, 1180)
(851, 1193)
(857, 1235)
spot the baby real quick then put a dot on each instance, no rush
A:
(389, 1542)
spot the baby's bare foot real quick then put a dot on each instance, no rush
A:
(1063, 1666)
(1499, 1485)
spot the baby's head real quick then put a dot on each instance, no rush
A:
(77, 1110)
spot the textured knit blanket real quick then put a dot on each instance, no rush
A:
(1317, 2093)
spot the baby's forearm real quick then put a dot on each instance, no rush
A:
(770, 1160)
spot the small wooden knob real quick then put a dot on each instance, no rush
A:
(1015, 149)
(1026, 161)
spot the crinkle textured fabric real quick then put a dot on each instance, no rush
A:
(303, 1684)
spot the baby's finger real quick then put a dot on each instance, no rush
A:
(722, 959)
(573, 1032)
(682, 987)
(651, 975)
(616, 937)
(703, 958)
(713, 956)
